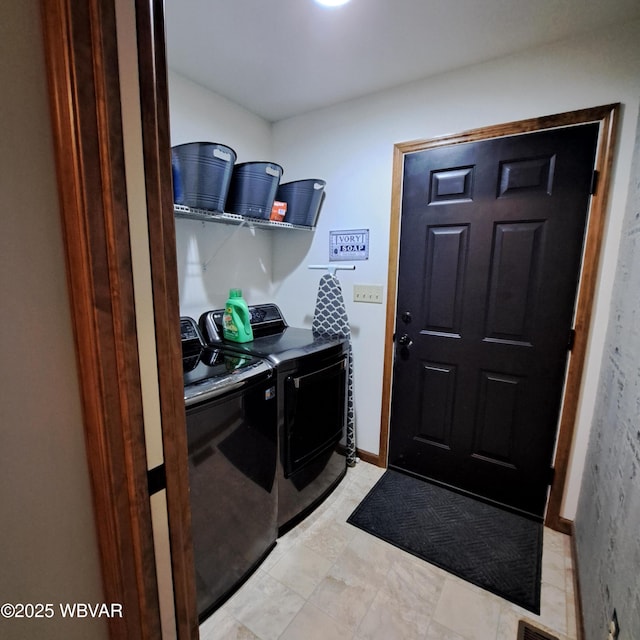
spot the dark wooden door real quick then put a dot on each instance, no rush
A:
(490, 253)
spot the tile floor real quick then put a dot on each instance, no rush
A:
(328, 580)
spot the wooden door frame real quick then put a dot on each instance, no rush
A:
(607, 117)
(80, 43)
(154, 105)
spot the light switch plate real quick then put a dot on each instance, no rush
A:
(368, 293)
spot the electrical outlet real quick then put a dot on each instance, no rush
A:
(368, 293)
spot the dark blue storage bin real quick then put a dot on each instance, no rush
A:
(253, 189)
(202, 174)
(303, 198)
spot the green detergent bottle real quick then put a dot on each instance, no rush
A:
(236, 321)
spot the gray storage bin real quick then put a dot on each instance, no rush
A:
(253, 189)
(303, 198)
(202, 174)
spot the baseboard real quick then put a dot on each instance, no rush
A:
(564, 526)
(371, 458)
(576, 579)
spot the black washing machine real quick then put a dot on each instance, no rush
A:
(311, 373)
(231, 411)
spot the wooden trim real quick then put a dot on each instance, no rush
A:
(371, 458)
(162, 244)
(607, 117)
(82, 66)
(576, 581)
(392, 291)
(564, 526)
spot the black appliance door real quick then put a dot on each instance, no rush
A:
(232, 442)
(315, 410)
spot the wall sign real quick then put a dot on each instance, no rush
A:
(349, 245)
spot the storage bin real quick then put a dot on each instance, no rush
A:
(303, 198)
(253, 189)
(202, 174)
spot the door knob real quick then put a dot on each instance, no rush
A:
(405, 340)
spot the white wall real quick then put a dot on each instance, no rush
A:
(48, 540)
(213, 257)
(608, 516)
(351, 145)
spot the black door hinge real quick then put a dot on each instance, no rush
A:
(572, 339)
(156, 479)
(594, 182)
(551, 476)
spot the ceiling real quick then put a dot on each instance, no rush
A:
(281, 58)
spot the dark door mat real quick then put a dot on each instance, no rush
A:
(492, 548)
